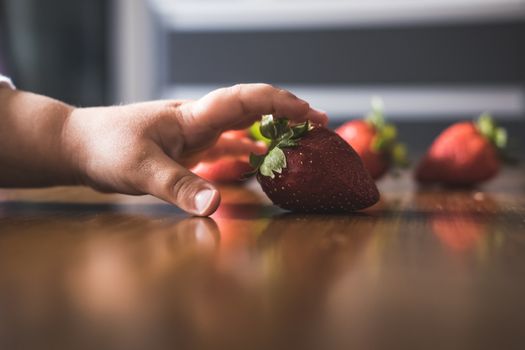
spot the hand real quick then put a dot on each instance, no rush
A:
(146, 148)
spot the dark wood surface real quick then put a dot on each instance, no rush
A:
(425, 268)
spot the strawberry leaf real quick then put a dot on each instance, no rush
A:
(376, 116)
(389, 133)
(275, 161)
(399, 155)
(282, 128)
(486, 126)
(500, 138)
(300, 129)
(256, 160)
(268, 129)
(385, 139)
(275, 129)
(281, 135)
(287, 143)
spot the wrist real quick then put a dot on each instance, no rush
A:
(70, 148)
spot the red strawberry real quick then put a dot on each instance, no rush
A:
(312, 169)
(465, 153)
(374, 141)
(228, 169)
(360, 135)
(239, 134)
(225, 170)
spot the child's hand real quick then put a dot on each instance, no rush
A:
(146, 148)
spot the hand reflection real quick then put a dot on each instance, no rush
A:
(112, 278)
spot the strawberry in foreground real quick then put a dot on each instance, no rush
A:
(374, 141)
(464, 154)
(312, 169)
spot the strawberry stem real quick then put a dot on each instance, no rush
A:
(385, 140)
(280, 134)
(496, 135)
(491, 131)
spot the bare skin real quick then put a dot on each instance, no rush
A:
(137, 149)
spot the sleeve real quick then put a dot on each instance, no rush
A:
(6, 81)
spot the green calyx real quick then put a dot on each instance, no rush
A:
(497, 136)
(280, 134)
(385, 140)
(255, 133)
(491, 131)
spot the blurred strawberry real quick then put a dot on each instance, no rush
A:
(237, 133)
(375, 141)
(229, 158)
(466, 153)
(226, 170)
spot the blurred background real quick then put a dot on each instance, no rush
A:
(432, 61)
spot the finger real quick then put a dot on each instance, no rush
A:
(313, 112)
(241, 105)
(163, 178)
(233, 147)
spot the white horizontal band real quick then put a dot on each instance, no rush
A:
(401, 102)
(288, 14)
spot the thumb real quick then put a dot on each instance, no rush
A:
(165, 179)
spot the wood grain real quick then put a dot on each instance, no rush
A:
(424, 268)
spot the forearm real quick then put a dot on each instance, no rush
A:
(32, 152)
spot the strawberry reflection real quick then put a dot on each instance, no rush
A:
(459, 232)
(269, 280)
(302, 256)
(242, 216)
(459, 219)
(194, 282)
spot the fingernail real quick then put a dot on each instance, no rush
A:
(203, 200)
(318, 110)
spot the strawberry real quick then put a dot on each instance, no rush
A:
(374, 141)
(466, 153)
(312, 169)
(225, 170)
(239, 134)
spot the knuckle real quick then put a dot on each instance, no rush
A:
(236, 89)
(266, 88)
(285, 93)
(180, 184)
(140, 170)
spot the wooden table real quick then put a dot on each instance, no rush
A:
(425, 268)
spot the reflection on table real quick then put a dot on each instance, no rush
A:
(424, 268)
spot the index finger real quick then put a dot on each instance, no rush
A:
(240, 105)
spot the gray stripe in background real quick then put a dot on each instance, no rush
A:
(471, 53)
(428, 74)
